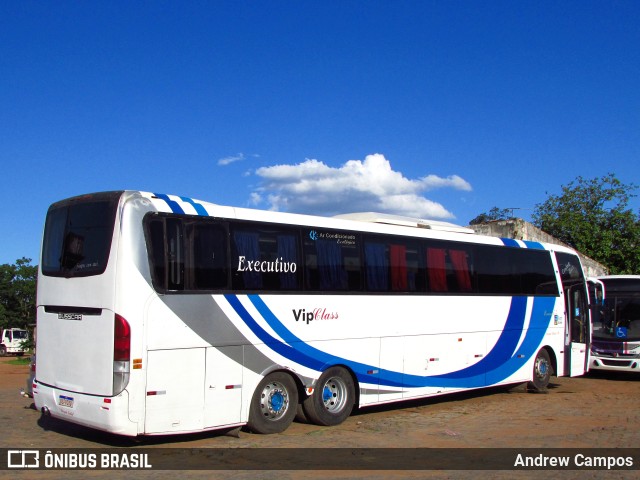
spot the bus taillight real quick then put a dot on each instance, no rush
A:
(121, 340)
(121, 354)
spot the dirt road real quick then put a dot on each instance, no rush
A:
(598, 410)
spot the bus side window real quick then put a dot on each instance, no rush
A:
(155, 242)
(209, 261)
(265, 258)
(165, 242)
(332, 261)
(175, 254)
(448, 270)
(390, 266)
(461, 270)
(376, 266)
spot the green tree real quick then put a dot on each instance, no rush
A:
(494, 214)
(593, 216)
(18, 294)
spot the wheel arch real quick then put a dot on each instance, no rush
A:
(553, 358)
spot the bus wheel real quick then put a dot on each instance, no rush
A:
(541, 372)
(274, 404)
(333, 399)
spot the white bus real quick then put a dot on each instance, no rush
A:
(160, 314)
(616, 323)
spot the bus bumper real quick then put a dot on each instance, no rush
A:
(615, 364)
(109, 414)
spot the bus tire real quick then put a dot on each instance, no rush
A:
(542, 369)
(273, 405)
(333, 399)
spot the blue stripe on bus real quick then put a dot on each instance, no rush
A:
(276, 345)
(173, 205)
(199, 208)
(538, 325)
(504, 348)
(470, 377)
(510, 242)
(499, 364)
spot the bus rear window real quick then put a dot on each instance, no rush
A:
(77, 235)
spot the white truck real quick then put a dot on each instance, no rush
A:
(11, 341)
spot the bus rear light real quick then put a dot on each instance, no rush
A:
(121, 340)
(121, 354)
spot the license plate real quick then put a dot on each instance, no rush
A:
(64, 401)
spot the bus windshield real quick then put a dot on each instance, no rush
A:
(77, 235)
(618, 318)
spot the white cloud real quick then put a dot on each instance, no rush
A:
(255, 199)
(369, 185)
(231, 159)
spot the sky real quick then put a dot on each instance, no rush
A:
(430, 109)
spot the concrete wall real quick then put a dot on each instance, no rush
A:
(518, 229)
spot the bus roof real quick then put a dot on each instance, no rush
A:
(368, 221)
(389, 219)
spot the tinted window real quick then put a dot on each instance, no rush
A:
(175, 254)
(198, 254)
(450, 267)
(77, 235)
(186, 254)
(332, 260)
(393, 265)
(209, 256)
(515, 271)
(570, 268)
(155, 246)
(265, 257)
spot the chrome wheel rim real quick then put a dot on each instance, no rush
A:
(274, 401)
(541, 368)
(334, 394)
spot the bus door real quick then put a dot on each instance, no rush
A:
(577, 333)
(577, 330)
(597, 295)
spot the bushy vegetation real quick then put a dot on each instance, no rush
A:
(18, 294)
